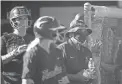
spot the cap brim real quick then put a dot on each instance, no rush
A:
(73, 30)
(57, 28)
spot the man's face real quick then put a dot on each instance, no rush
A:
(22, 21)
(22, 24)
(51, 34)
(81, 37)
(55, 36)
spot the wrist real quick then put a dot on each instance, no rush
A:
(12, 54)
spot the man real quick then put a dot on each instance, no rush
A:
(76, 56)
(42, 60)
(13, 45)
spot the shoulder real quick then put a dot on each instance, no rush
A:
(32, 46)
(7, 36)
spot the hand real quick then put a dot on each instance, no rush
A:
(27, 81)
(81, 76)
(21, 49)
(90, 74)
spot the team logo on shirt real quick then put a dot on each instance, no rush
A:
(49, 74)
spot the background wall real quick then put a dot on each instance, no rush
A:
(64, 14)
(62, 10)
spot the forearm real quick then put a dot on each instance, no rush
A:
(76, 77)
(27, 81)
(7, 58)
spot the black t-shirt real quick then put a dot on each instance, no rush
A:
(43, 67)
(76, 59)
(13, 69)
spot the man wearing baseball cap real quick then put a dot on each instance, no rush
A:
(75, 54)
(42, 60)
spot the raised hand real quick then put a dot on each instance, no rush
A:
(90, 72)
(21, 49)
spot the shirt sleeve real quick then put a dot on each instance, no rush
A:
(29, 64)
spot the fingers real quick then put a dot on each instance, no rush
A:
(23, 46)
(83, 75)
(89, 74)
(20, 50)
